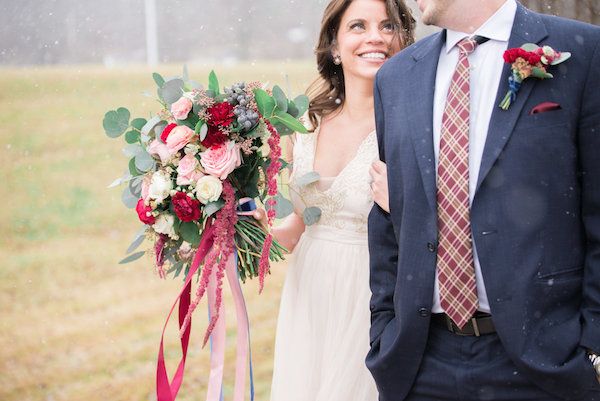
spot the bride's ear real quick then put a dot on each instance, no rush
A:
(335, 54)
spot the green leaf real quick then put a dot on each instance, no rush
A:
(290, 122)
(189, 232)
(135, 244)
(212, 207)
(133, 149)
(135, 186)
(201, 129)
(132, 169)
(292, 110)
(138, 123)
(266, 104)
(529, 47)
(213, 83)
(301, 102)
(132, 257)
(144, 162)
(540, 73)
(116, 122)
(171, 91)
(311, 215)
(160, 81)
(564, 56)
(280, 99)
(283, 207)
(308, 178)
(132, 136)
(129, 199)
(150, 124)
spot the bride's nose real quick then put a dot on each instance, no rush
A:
(374, 35)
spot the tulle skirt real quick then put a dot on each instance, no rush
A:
(323, 327)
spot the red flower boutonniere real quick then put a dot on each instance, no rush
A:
(529, 60)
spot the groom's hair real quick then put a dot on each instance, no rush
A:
(329, 87)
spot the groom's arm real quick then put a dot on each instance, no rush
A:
(589, 151)
(383, 246)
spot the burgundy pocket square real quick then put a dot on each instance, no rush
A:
(544, 107)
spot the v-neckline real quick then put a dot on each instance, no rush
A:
(335, 177)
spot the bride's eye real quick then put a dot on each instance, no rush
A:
(357, 26)
(388, 27)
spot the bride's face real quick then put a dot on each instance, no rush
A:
(366, 38)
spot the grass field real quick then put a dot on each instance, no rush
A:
(76, 325)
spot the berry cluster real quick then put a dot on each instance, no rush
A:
(237, 96)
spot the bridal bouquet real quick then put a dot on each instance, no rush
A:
(195, 170)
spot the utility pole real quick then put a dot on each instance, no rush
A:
(151, 33)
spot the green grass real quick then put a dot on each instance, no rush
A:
(76, 325)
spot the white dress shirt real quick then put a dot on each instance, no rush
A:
(486, 69)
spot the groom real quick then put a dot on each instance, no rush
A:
(486, 273)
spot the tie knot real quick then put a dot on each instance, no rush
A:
(467, 46)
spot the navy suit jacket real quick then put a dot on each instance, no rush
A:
(535, 216)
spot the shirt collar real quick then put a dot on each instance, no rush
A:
(497, 27)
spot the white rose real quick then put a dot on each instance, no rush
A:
(208, 189)
(164, 225)
(160, 186)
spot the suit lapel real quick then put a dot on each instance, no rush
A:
(527, 28)
(420, 111)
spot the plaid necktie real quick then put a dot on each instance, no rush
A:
(456, 271)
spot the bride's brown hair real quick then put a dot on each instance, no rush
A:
(329, 86)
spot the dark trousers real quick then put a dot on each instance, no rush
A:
(457, 368)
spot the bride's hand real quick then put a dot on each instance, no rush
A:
(260, 215)
(379, 184)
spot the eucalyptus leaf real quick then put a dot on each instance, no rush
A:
(132, 136)
(116, 122)
(141, 232)
(138, 123)
(132, 257)
(265, 103)
(212, 207)
(133, 171)
(529, 47)
(540, 73)
(135, 244)
(289, 122)
(564, 56)
(280, 99)
(283, 207)
(153, 122)
(135, 186)
(172, 90)
(124, 178)
(160, 81)
(201, 129)
(190, 233)
(213, 83)
(311, 215)
(144, 162)
(308, 178)
(129, 200)
(292, 109)
(301, 103)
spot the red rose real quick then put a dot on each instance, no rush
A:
(221, 114)
(144, 212)
(186, 208)
(214, 137)
(165, 134)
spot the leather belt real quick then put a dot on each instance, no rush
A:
(479, 325)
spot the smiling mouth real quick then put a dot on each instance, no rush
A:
(374, 55)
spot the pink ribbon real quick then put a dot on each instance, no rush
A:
(166, 390)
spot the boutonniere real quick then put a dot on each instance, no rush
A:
(529, 60)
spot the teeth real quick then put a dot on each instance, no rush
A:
(380, 56)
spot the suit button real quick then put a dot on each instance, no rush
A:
(431, 247)
(423, 312)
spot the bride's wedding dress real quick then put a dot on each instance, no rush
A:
(323, 327)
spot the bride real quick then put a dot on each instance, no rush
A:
(322, 331)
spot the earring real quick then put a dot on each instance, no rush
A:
(337, 60)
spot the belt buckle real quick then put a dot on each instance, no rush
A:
(457, 330)
(475, 326)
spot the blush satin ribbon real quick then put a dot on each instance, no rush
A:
(167, 391)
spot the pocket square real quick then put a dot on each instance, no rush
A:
(544, 107)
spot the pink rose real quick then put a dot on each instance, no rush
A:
(146, 187)
(221, 160)
(156, 147)
(178, 138)
(187, 170)
(181, 108)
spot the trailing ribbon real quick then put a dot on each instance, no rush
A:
(167, 391)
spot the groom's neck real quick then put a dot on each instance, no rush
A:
(469, 15)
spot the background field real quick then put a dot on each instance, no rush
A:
(74, 324)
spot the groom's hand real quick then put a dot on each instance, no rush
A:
(379, 184)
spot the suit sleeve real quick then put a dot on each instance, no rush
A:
(383, 246)
(589, 156)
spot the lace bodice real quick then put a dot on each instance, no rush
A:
(345, 201)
